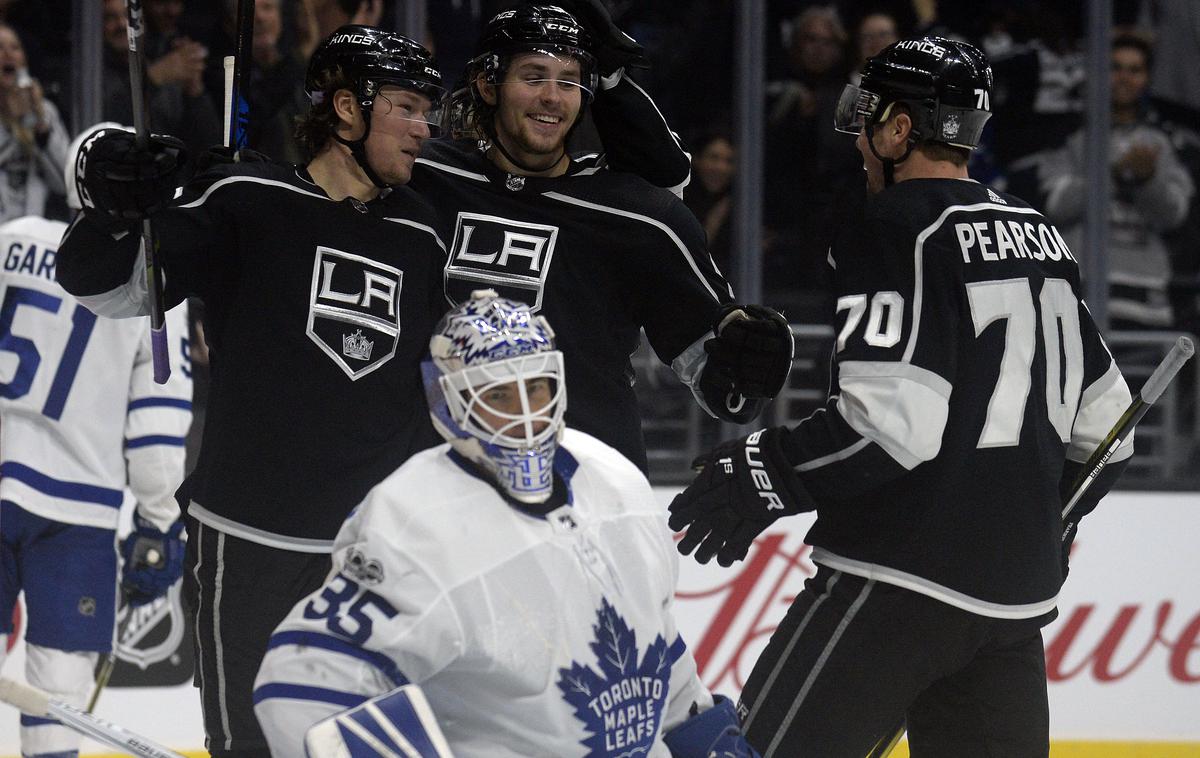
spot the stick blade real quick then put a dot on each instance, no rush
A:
(29, 699)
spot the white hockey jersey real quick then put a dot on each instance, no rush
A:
(530, 635)
(81, 418)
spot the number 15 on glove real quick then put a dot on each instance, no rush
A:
(743, 486)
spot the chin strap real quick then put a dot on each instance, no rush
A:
(358, 148)
(889, 164)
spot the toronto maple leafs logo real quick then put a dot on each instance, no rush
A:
(621, 706)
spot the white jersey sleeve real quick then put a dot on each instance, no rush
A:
(157, 422)
(65, 393)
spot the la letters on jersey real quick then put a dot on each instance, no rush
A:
(512, 257)
(30, 260)
(354, 310)
(998, 238)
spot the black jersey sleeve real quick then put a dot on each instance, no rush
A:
(1104, 398)
(636, 137)
(676, 288)
(678, 293)
(894, 364)
(193, 237)
(91, 261)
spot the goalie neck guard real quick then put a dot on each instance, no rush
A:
(484, 351)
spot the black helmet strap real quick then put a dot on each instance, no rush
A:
(358, 149)
(889, 164)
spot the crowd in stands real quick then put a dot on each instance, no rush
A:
(1033, 146)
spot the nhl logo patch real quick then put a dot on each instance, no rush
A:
(511, 257)
(354, 310)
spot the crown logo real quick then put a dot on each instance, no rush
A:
(357, 346)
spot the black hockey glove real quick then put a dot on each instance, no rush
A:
(121, 184)
(219, 155)
(744, 486)
(153, 560)
(614, 48)
(751, 353)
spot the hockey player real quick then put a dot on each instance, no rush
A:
(969, 385)
(322, 285)
(521, 574)
(81, 419)
(580, 242)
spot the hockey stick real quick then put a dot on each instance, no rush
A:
(137, 67)
(888, 742)
(154, 559)
(39, 704)
(1179, 354)
(109, 661)
(237, 79)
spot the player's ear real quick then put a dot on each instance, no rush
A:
(346, 108)
(902, 126)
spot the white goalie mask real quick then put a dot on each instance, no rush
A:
(495, 389)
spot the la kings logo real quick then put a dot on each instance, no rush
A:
(354, 310)
(511, 257)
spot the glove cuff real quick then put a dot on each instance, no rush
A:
(608, 81)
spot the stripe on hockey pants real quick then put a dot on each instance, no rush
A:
(820, 664)
(787, 651)
(217, 639)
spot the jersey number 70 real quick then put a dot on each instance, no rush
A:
(1010, 300)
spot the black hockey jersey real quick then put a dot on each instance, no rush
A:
(967, 369)
(318, 313)
(600, 253)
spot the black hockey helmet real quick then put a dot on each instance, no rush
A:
(532, 28)
(371, 57)
(946, 84)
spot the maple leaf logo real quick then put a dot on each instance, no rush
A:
(621, 706)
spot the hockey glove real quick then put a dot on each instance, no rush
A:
(121, 184)
(220, 155)
(614, 49)
(153, 560)
(716, 732)
(751, 353)
(744, 486)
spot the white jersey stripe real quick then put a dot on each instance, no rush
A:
(931, 589)
(687, 254)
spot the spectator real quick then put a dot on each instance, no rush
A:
(1151, 194)
(278, 55)
(1038, 99)
(331, 14)
(1175, 87)
(177, 99)
(875, 31)
(162, 26)
(807, 165)
(708, 195)
(33, 140)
